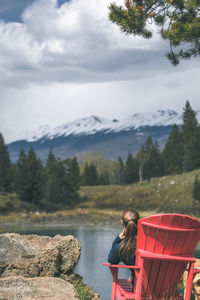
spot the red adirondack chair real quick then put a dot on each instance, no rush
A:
(165, 246)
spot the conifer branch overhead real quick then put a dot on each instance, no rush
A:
(179, 22)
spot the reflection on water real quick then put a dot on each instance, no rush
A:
(96, 244)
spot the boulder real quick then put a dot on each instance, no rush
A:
(37, 288)
(37, 256)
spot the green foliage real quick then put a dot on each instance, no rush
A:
(131, 170)
(5, 167)
(90, 175)
(21, 175)
(83, 291)
(173, 152)
(191, 139)
(29, 177)
(56, 185)
(181, 153)
(10, 203)
(62, 182)
(150, 160)
(173, 193)
(73, 171)
(179, 23)
(120, 178)
(108, 170)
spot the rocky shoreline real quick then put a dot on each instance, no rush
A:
(38, 267)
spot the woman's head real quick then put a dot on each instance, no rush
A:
(130, 216)
(129, 221)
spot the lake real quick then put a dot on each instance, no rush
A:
(96, 244)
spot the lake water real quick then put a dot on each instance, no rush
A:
(96, 244)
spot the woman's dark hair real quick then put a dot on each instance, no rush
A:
(130, 219)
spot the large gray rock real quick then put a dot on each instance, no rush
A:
(38, 288)
(36, 256)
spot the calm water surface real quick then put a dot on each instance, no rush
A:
(96, 244)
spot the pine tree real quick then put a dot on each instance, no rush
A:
(152, 167)
(141, 158)
(72, 175)
(57, 185)
(173, 152)
(150, 160)
(62, 181)
(90, 175)
(54, 175)
(155, 161)
(73, 171)
(178, 23)
(131, 168)
(36, 177)
(21, 176)
(50, 163)
(30, 181)
(120, 178)
(5, 167)
(191, 139)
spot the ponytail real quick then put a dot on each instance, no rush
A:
(130, 219)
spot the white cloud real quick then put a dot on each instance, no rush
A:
(72, 41)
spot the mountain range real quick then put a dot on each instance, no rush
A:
(113, 138)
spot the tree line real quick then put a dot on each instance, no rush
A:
(49, 186)
(180, 154)
(56, 183)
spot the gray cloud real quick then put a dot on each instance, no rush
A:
(72, 43)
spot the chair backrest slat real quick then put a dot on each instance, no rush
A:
(150, 244)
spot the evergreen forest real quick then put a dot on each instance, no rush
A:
(55, 184)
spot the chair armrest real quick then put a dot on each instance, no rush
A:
(121, 266)
(156, 256)
(196, 270)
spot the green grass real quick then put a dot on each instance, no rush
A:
(10, 203)
(83, 291)
(167, 193)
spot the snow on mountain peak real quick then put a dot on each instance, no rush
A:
(158, 118)
(95, 124)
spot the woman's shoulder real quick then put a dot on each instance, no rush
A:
(118, 239)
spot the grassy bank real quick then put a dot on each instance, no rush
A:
(76, 217)
(168, 193)
(84, 292)
(103, 204)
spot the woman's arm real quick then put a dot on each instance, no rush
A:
(113, 256)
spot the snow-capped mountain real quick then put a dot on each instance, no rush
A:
(95, 124)
(95, 134)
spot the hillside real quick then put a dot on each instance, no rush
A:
(168, 194)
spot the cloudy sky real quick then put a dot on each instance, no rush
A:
(63, 60)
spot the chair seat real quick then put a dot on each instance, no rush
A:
(125, 289)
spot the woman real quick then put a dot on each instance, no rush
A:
(124, 245)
